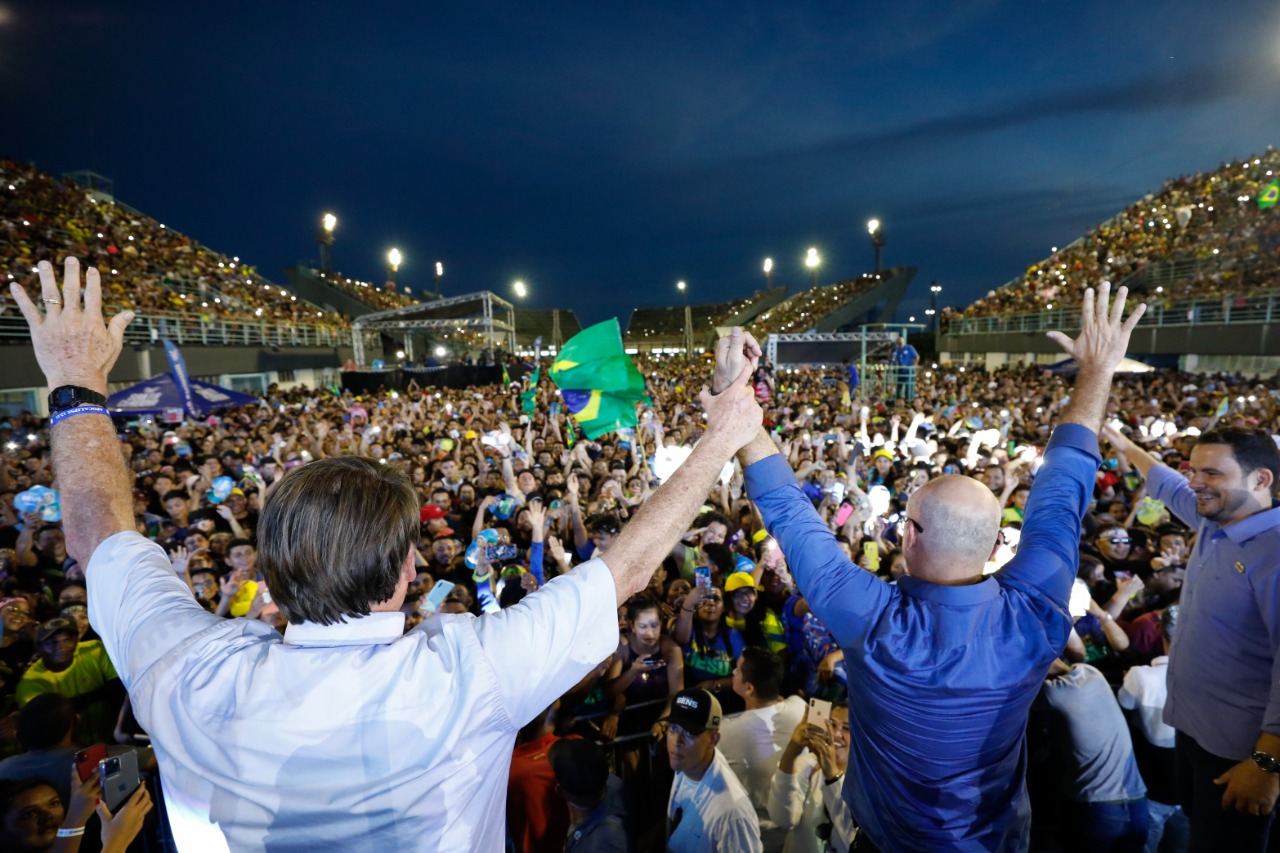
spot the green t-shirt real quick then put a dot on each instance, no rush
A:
(89, 670)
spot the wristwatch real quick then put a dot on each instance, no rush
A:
(69, 396)
(1266, 761)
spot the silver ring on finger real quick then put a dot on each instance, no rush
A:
(51, 301)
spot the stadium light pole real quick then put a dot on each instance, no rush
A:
(875, 229)
(393, 266)
(439, 276)
(934, 290)
(812, 261)
(688, 319)
(327, 223)
(768, 273)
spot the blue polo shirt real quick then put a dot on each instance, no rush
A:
(941, 677)
(905, 355)
(1224, 664)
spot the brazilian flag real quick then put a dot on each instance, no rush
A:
(597, 380)
(527, 397)
(1269, 196)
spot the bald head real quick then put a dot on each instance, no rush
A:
(961, 519)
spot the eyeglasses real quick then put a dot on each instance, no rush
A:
(1117, 540)
(915, 524)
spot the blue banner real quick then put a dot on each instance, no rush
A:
(181, 378)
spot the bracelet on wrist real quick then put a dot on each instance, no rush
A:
(70, 831)
(78, 410)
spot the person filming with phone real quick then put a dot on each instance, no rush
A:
(945, 665)
(346, 733)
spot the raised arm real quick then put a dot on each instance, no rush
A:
(1048, 552)
(74, 346)
(732, 418)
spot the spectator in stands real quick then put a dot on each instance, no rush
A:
(709, 809)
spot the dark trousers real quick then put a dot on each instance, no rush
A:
(1119, 827)
(1213, 829)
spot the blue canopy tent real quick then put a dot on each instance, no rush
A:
(175, 390)
(153, 396)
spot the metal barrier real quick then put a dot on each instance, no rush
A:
(1222, 310)
(188, 330)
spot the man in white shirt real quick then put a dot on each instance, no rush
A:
(1143, 696)
(347, 734)
(751, 740)
(709, 810)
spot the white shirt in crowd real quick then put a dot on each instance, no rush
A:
(341, 737)
(751, 741)
(712, 815)
(1144, 688)
(802, 801)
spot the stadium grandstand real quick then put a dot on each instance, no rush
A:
(872, 297)
(147, 266)
(553, 325)
(1211, 234)
(663, 327)
(1202, 252)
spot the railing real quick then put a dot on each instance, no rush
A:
(1222, 310)
(187, 330)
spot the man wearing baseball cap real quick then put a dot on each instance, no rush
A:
(708, 810)
(80, 671)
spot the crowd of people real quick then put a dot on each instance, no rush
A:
(379, 298)
(721, 659)
(149, 267)
(1212, 218)
(801, 312)
(649, 324)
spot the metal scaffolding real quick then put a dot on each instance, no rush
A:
(426, 316)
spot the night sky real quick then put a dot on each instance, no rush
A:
(603, 151)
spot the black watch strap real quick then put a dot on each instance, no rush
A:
(69, 396)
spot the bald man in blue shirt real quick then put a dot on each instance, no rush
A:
(944, 666)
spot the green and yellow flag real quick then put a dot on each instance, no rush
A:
(528, 397)
(598, 381)
(1269, 196)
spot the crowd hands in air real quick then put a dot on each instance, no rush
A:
(721, 613)
(1210, 217)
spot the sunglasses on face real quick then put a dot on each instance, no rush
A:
(1117, 541)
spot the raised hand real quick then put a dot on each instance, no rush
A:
(1104, 335)
(735, 352)
(73, 345)
(733, 414)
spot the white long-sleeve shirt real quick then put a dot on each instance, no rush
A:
(801, 802)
